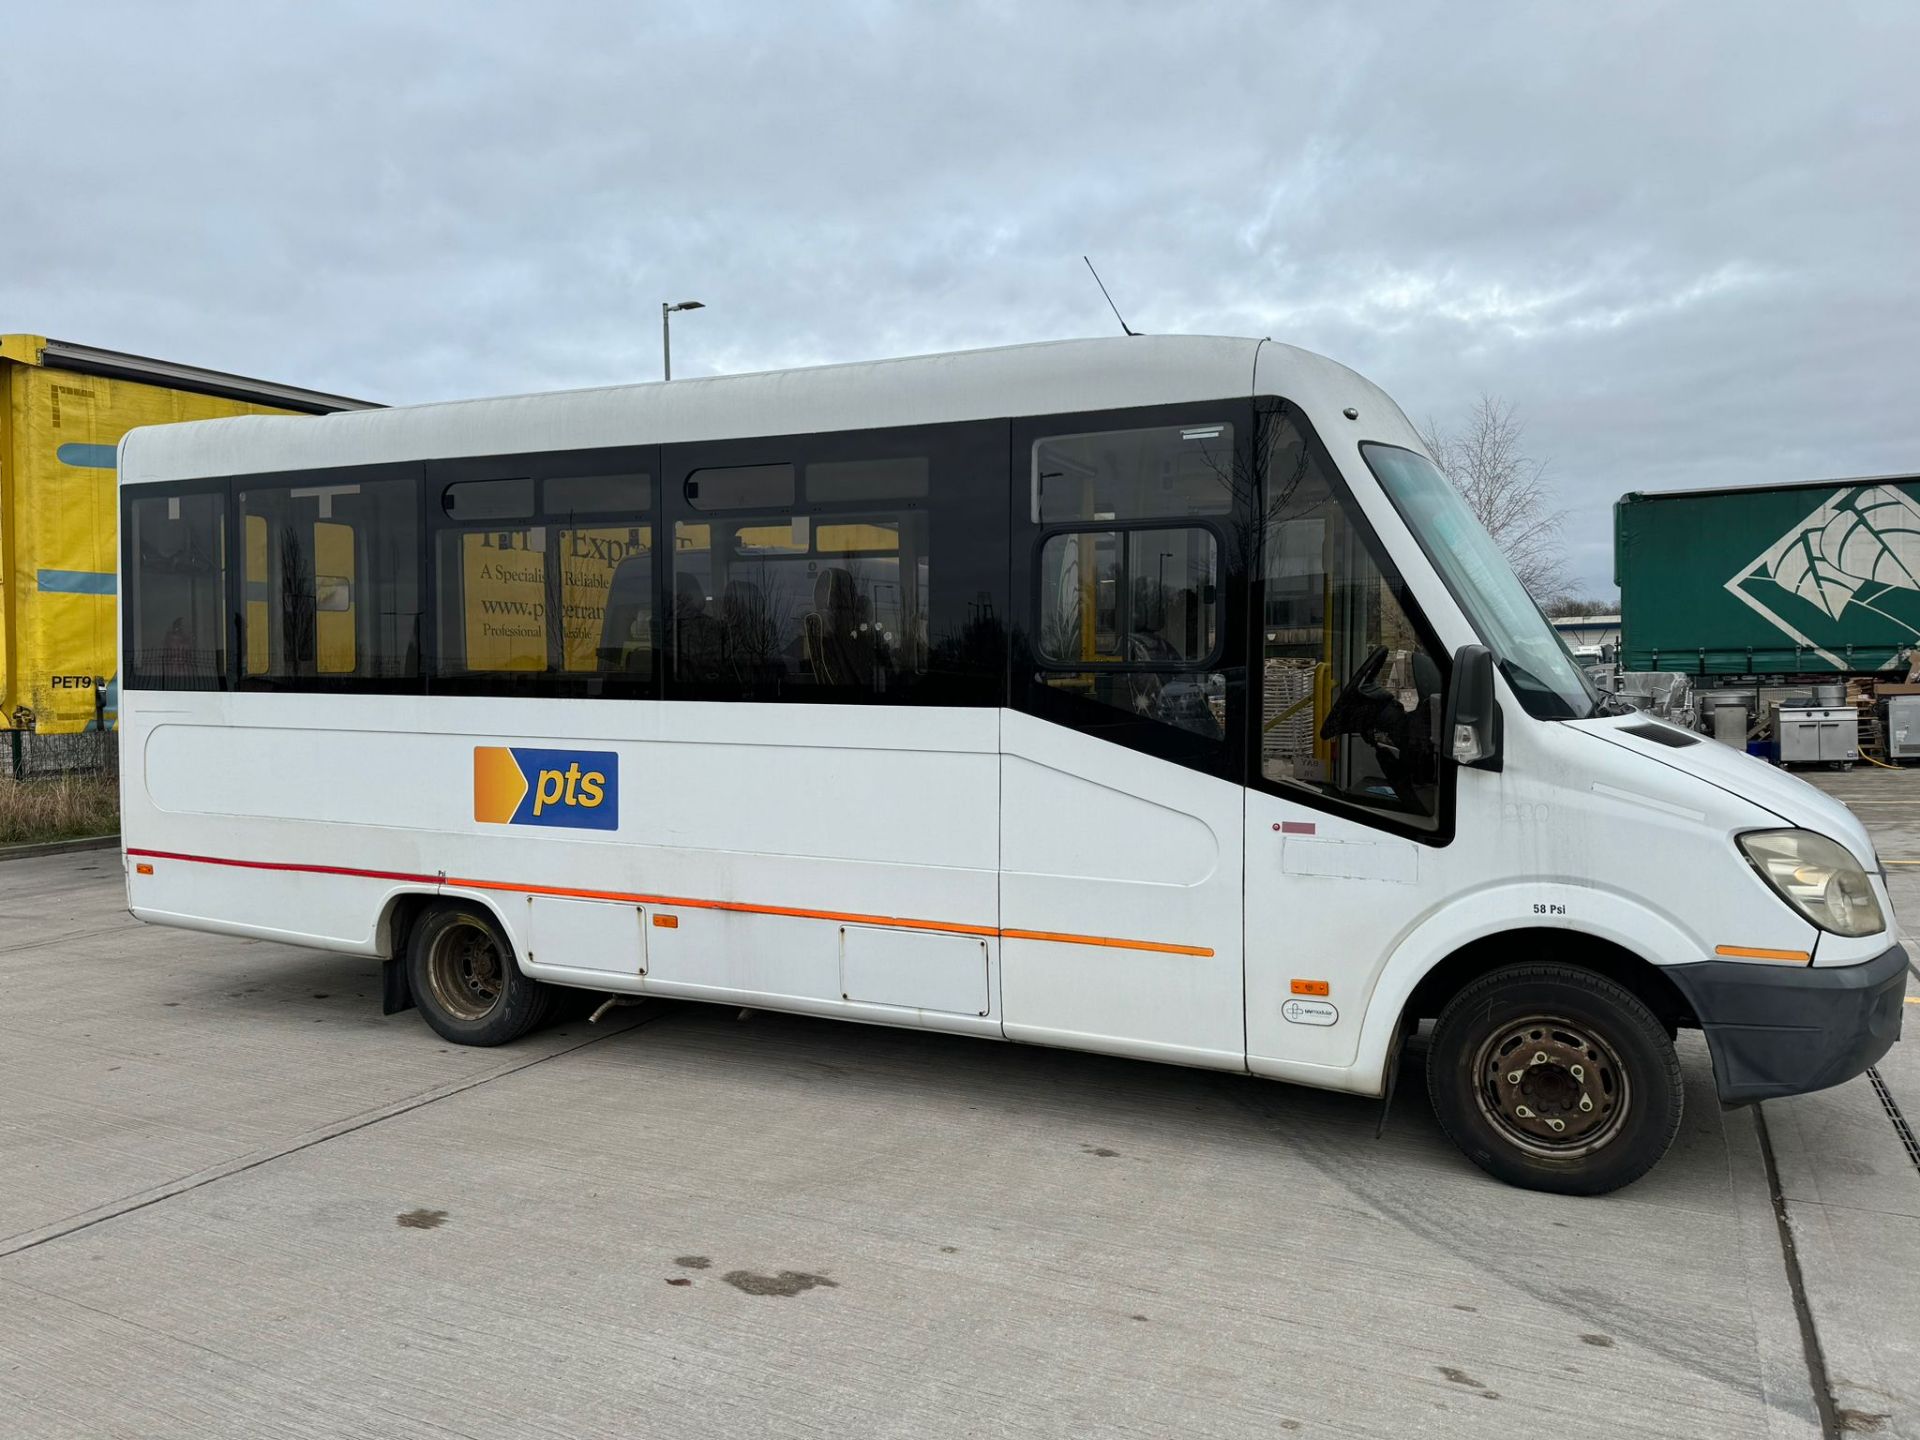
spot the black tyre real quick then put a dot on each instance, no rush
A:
(466, 981)
(1554, 1078)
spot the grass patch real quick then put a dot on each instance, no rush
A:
(63, 807)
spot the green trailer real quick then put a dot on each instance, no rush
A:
(1803, 579)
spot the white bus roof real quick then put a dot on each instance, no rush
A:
(1056, 377)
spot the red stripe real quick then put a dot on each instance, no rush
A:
(277, 865)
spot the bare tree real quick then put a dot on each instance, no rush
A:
(1506, 488)
(1562, 606)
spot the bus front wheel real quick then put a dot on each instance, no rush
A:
(466, 981)
(1554, 1078)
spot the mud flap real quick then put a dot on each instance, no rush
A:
(1394, 1052)
(396, 994)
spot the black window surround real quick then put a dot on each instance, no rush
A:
(949, 497)
(983, 546)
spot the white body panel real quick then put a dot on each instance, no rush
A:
(973, 870)
(1114, 846)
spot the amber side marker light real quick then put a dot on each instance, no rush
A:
(667, 922)
(1312, 987)
(1747, 952)
(143, 869)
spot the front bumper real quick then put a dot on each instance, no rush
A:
(1775, 1030)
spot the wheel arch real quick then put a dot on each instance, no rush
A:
(398, 916)
(1458, 969)
(1616, 934)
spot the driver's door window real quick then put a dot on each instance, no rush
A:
(1350, 691)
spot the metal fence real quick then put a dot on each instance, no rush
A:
(30, 755)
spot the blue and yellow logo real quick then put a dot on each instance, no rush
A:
(575, 788)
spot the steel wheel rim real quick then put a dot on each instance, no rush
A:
(466, 970)
(1551, 1087)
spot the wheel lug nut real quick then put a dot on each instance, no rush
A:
(1577, 1072)
(1586, 1102)
(1513, 1077)
(1557, 1125)
(1523, 1112)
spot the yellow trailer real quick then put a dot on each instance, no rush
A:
(63, 409)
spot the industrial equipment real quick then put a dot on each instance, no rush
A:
(1808, 733)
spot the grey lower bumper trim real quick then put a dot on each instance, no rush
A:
(1785, 1030)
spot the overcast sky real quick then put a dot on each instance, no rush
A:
(1680, 239)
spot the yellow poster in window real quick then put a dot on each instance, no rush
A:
(503, 587)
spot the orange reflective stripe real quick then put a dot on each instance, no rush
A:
(740, 907)
(1747, 952)
(682, 902)
(1059, 938)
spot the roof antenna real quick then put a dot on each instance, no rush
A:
(1110, 305)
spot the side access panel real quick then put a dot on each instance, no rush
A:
(586, 935)
(916, 970)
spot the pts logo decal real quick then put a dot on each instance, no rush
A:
(579, 789)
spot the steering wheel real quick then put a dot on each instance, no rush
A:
(1346, 706)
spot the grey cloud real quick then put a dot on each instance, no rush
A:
(1678, 237)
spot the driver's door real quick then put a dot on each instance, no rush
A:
(1346, 795)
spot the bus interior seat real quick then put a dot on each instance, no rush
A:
(840, 643)
(626, 639)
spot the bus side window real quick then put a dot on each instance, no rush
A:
(176, 576)
(332, 576)
(526, 567)
(803, 581)
(1166, 471)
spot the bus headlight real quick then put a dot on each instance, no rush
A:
(1816, 876)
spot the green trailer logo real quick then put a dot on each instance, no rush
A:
(1860, 550)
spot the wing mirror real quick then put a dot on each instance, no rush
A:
(1472, 729)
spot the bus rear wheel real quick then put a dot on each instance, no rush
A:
(466, 981)
(1554, 1078)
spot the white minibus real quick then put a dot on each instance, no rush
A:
(1153, 696)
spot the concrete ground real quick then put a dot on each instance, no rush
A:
(235, 1200)
(1850, 1176)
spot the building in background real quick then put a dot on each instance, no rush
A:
(63, 409)
(1590, 634)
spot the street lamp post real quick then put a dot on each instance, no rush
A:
(666, 333)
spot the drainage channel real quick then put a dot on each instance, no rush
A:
(1829, 1411)
(1908, 1141)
